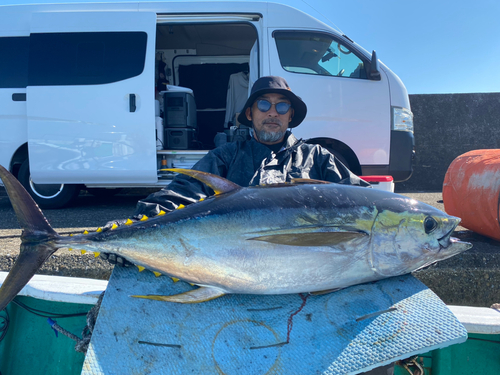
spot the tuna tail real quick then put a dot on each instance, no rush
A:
(37, 239)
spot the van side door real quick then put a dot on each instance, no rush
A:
(90, 97)
(14, 52)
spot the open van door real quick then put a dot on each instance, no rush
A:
(90, 98)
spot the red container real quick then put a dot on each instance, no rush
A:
(380, 182)
(471, 191)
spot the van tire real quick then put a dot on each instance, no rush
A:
(50, 195)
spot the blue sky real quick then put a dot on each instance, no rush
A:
(439, 46)
(434, 46)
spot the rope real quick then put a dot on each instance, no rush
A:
(89, 328)
(4, 324)
(82, 344)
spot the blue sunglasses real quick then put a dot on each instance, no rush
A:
(265, 105)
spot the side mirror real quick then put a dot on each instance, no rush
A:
(374, 71)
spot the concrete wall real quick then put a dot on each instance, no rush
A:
(446, 126)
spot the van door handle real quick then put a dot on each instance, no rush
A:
(18, 97)
(132, 105)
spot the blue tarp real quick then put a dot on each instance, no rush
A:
(345, 332)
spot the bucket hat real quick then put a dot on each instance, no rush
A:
(273, 84)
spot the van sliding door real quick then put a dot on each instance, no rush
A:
(90, 105)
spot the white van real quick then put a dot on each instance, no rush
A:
(104, 95)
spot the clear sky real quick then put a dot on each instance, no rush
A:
(434, 46)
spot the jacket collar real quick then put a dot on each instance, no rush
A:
(291, 140)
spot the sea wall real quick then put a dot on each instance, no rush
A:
(446, 126)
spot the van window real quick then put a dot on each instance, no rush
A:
(85, 58)
(317, 53)
(14, 52)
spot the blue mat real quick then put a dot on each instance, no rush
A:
(345, 332)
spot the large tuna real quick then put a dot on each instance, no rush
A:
(303, 237)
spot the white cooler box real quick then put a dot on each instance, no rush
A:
(380, 182)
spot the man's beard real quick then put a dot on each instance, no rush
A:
(267, 136)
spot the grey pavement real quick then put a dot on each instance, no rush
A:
(471, 278)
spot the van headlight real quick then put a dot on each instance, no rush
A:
(402, 119)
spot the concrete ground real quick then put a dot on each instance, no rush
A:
(471, 278)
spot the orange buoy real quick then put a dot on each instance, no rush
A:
(471, 191)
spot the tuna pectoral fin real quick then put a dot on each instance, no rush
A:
(332, 239)
(202, 294)
(29, 261)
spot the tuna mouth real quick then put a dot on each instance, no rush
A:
(454, 240)
(448, 241)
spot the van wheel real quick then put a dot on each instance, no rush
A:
(47, 195)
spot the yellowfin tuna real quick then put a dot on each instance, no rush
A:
(308, 236)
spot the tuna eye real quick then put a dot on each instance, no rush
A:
(430, 224)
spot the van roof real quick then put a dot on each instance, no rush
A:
(15, 19)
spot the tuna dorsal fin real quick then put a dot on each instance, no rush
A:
(202, 294)
(217, 183)
(298, 181)
(332, 239)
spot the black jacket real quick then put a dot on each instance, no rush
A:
(249, 163)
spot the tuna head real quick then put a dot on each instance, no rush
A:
(409, 235)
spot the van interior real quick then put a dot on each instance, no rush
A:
(201, 81)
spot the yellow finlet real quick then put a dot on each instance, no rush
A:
(83, 251)
(174, 279)
(96, 254)
(85, 232)
(99, 230)
(70, 249)
(129, 222)
(201, 200)
(141, 268)
(157, 274)
(144, 218)
(181, 206)
(71, 235)
(161, 213)
(114, 226)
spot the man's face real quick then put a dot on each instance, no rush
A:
(269, 127)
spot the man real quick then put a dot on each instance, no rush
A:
(272, 155)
